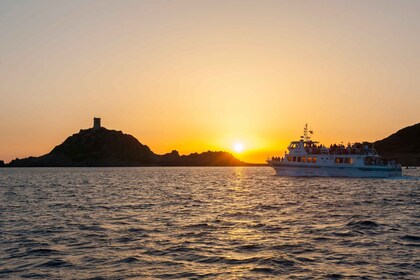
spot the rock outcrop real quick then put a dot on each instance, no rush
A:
(402, 146)
(102, 147)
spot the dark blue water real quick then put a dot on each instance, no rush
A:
(224, 223)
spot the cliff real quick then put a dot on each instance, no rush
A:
(103, 147)
(402, 146)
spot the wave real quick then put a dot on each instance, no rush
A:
(146, 225)
(56, 263)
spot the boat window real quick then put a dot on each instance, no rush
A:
(339, 160)
(298, 159)
(303, 159)
(314, 159)
(289, 158)
(309, 159)
(294, 158)
(348, 160)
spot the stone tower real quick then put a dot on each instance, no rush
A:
(96, 123)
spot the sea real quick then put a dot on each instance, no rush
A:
(206, 223)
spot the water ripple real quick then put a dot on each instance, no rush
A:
(197, 223)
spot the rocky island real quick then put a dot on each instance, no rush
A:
(402, 146)
(98, 147)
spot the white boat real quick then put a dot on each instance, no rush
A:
(308, 158)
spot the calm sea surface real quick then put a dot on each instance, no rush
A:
(224, 223)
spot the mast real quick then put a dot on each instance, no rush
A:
(306, 133)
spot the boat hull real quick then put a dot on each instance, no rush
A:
(325, 171)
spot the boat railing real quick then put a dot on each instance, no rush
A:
(339, 151)
(278, 159)
(377, 161)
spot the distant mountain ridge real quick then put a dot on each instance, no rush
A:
(100, 147)
(402, 146)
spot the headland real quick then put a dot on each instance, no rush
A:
(101, 147)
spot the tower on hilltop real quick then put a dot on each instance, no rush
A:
(96, 123)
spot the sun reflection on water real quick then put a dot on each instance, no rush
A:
(223, 223)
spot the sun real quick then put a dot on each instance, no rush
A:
(238, 147)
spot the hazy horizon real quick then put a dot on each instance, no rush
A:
(206, 75)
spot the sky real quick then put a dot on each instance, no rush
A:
(207, 75)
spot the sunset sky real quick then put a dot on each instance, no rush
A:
(207, 75)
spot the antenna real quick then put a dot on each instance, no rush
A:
(306, 132)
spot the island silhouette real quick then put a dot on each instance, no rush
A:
(402, 146)
(102, 147)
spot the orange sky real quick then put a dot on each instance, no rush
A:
(203, 75)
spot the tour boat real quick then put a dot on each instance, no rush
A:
(308, 158)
